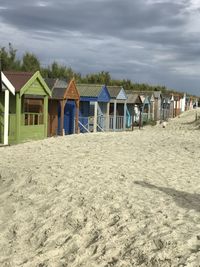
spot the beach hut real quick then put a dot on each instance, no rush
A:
(133, 103)
(157, 105)
(118, 108)
(165, 106)
(94, 108)
(63, 107)
(146, 107)
(177, 105)
(6, 88)
(28, 108)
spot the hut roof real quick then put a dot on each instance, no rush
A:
(157, 94)
(114, 91)
(89, 90)
(57, 87)
(18, 79)
(133, 98)
(6, 84)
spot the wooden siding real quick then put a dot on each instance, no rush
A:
(36, 88)
(104, 95)
(72, 92)
(53, 117)
(122, 95)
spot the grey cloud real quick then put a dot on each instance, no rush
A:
(130, 39)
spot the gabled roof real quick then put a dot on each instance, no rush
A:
(57, 87)
(133, 99)
(114, 91)
(7, 83)
(89, 90)
(18, 79)
(117, 92)
(157, 94)
(61, 88)
(23, 80)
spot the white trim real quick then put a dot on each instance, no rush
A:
(95, 116)
(7, 83)
(6, 117)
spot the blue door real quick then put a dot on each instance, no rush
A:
(69, 115)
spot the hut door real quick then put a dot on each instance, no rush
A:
(69, 115)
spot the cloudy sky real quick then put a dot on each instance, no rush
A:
(151, 41)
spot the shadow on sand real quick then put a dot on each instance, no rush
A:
(183, 199)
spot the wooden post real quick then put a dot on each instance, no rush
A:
(107, 116)
(125, 107)
(133, 119)
(115, 115)
(149, 111)
(77, 116)
(45, 112)
(140, 118)
(62, 105)
(152, 103)
(95, 116)
(6, 117)
(18, 117)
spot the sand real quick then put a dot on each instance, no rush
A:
(106, 199)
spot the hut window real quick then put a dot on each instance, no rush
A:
(33, 111)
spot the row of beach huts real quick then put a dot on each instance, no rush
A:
(34, 108)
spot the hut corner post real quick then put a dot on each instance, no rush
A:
(115, 115)
(6, 117)
(95, 116)
(77, 117)
(125, 108)
(45, 116)
(107, 116)
(62, 104)
(133, 117)
(18, 117)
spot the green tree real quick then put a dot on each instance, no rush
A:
(30, 62)
(8, 58)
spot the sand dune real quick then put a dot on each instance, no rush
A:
(105, 199)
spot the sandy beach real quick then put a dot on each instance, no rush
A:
(106, 199)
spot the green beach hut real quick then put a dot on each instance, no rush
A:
(28, 108)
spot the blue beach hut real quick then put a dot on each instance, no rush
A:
(94, 108)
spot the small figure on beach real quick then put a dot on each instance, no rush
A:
(164, 124)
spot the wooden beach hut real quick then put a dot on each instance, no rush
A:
(28, 108)
(94, 108)
(6, 88)
(63, 107)
(118, 108)
(134, 103)
(157, 105)
(177, 105)
(165, 106)
(146, 107)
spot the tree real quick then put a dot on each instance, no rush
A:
(30, 62)
(8, 58)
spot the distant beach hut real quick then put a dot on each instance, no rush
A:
(157, 105)
(118, 108)
(63, 107)
(134, 103)
(28, 108)
(6, 88)
(177, 105)
(94, 108)
(165, 106)
(146, 107)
